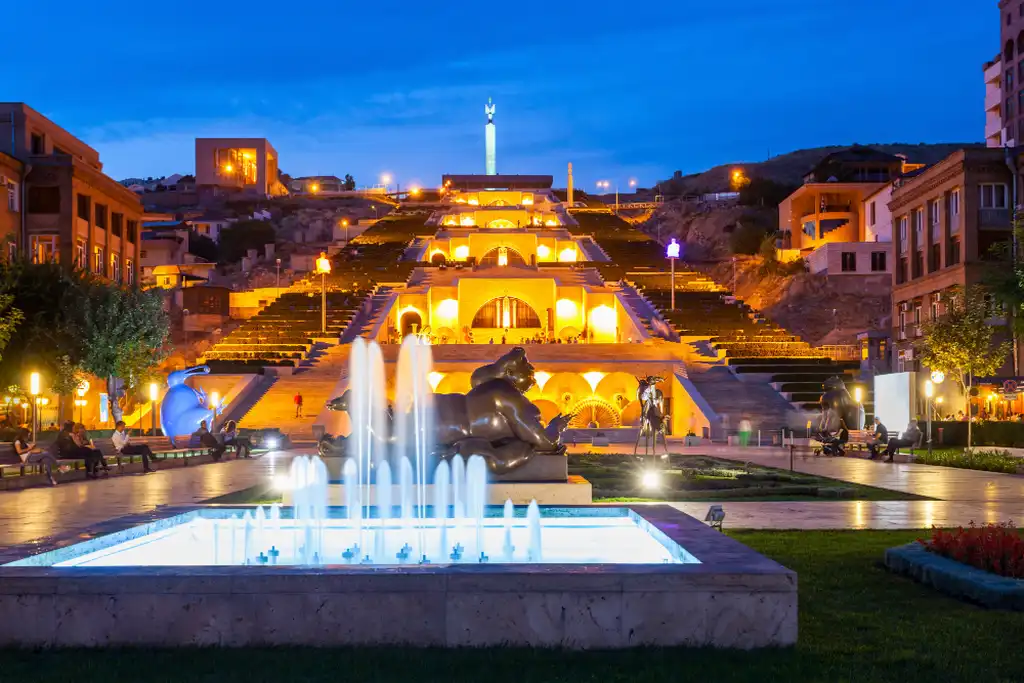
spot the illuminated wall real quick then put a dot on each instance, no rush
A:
(547, 248)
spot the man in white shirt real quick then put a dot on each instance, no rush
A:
(123, 445)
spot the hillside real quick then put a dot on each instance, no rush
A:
(789, 169)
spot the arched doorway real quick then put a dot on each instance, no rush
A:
(501, 224)
(502, 256)
(410, 323)
(506, 312)
(438, 258)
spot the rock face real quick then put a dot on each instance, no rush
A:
(705, 230)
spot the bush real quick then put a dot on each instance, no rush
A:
(747, 238)
(1000, 461)
(996, 548)
(1005, 434)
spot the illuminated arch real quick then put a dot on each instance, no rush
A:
(506, 312)
(438, 257)
(409, 318)
(514, 258)
(498, 202)
(501, 224)
(595, 409)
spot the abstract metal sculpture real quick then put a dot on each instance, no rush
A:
(836, 404)
(183, 407)
(494, 420)
(652, 414)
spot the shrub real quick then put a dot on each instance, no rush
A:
(996, 548)
(999, 461)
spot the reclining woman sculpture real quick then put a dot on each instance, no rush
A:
(495, 419)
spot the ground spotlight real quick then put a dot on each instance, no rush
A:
(651, 479)
(282, 482)
(271, 443)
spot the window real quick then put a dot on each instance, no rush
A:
(954, 210)
(917, 319)
(83, 207)
(934, 258)
(878, 261)
(129, 272)
(993, 195)
(101, 216)
(903, 235)
(903, 322)
(97, 262)
(935, 298)
(901, 274)
(133, 228)
(12, 195)
(1009, 80)
(38, 143)
(849, 261)
(44, 248)
(918, 263)
(1009, 107)
(116, 222)
(871, 214)
(115, 268)
(44, 200)
(506, 312)
(81, 260)
(810, 229)
(142, 254)
(12, 251)
(953, 255)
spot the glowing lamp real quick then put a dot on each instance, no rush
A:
(83, 388)
(344, 222)
(672, 250)
(527, 200)
(33, 384)
(938, 400)
(154, 391)
(214, 400)
(543, 252)
(566, 308)
(474, 201)
(314, 188)
(593, 378)
(650, 479)
(385, 179)
(567, 255)
(603, 319)
(929, 388)
(435, 378)
(415, 192)
(448, 310)
(323, 264)
(551, 223)
(541, 378)
(858, 394)
(938, 376)
(228, 168)
(462, 252)
(467, 221)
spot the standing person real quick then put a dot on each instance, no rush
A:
(31, 454)
(910, 436)
(879, 438)
(745, 429)
(86, 450)
(122, 441)
(298, 404)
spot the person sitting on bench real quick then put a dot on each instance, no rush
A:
(210, 441)
(123, 444)
(879, 438)
(31, 454)
(910, 437)
(231, 438)
(87, 451)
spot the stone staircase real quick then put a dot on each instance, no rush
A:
(728, 395)
(646, 312)
(377, 306)
(316, 383)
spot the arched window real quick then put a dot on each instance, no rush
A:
(506, 312)
(1020, 42)
(498, 202)
(1008, 51)
(511, 257)
(501, 224)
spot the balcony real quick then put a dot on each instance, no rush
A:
(993, 99)
(994, 218)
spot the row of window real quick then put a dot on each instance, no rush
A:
(912, 312)
(116, 223)
(953, 257)
(993, 195)
(45, 248)
(849, 261)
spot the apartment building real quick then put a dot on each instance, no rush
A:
(10, 206)
(226, 166)
(71, 212)
(946, 220)
(995, 132)
(1011, 33)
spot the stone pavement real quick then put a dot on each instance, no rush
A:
(36, 513)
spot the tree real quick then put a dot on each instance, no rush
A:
(203, 247)
(237, 238)
(960, 344)
(10, 317)
(350, 183)
(747, 238)
(66, 378)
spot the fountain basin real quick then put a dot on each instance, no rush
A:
(709, 590)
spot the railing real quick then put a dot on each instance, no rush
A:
(840, 351)
(994, 218)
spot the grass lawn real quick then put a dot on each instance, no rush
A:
(857, 623)
(617, 478)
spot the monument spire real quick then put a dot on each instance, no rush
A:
(490, 158)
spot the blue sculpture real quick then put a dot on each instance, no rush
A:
(184, 407)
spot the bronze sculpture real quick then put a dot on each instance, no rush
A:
(652, 414)
(836, 404)
(494, 420)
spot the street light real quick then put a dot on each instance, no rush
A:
(214, 404)
(344, 224)
(83, 388)
(279, 274)
(385, 179)
(154, 393)
(323, 266)
(33, 388)
(929, 392)
(672, 251)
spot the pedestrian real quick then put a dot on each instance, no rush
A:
(745, 429)
(122, 441)
(298, 404)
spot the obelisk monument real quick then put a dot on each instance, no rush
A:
(568, 195)
(490, 137)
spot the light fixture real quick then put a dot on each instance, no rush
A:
(929, 388)
(593, 378)
(938, 376)
(214, 400)
(83, 388)
(858, 394)
(715, 517)
(154, 391)
(33, 384)
(650, 480)
(323, 264)
(672, 250)
(271, 442)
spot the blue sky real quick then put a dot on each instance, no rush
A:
(620, 89)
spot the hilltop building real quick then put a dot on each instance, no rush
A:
(228, 166)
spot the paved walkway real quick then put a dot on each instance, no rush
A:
(36, 513)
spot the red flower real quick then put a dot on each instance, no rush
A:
(996, 548)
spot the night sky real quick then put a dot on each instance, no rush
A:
(621, 89)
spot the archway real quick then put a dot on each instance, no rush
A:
(498, 202)
(507, 313)
(494, 257)
(501, 224)
(594, 410)
(438, 258)
(410, 323)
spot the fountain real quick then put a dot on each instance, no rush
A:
(396, 544)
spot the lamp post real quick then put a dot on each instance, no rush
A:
(153, 395)
(323, 266)
(214, 404)
(929, 392)
(279, 274)
(83, 388)
(184, 328)
(672, 251)
(33, 389)
(344, 224)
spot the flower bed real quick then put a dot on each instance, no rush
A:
(1000, 461)
(996, 548)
